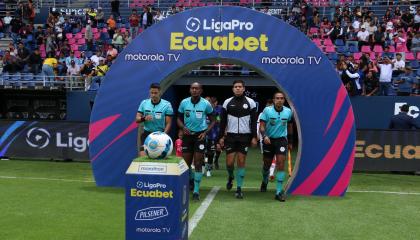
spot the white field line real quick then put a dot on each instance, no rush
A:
(199, 213)
(364, 191)
(383, 192)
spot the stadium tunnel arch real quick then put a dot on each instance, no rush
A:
(324, 112)
(168, 81)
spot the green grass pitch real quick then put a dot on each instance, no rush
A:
(35, 203)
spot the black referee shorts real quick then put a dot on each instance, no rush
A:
(237, 143)
(191, 144)
(277, 146)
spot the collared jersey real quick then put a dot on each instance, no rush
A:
(158, 112)
(276, 122)
(195, 114)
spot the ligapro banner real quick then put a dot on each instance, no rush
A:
(205, 35)
(34, 139)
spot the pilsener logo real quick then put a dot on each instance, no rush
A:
(151, 213)
(194, 24)
(38, 137)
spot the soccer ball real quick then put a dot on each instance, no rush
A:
(158, 145)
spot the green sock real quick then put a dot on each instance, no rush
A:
(280, 178)
(240, 179)
(265, 174)
(197, 181)
(191, 174)
(230, 171)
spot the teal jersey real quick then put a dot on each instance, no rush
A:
(276, 122)
(158, 112)
(195, 114)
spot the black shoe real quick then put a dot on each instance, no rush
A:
(191, 185)
(196, 196)
(229, 184)
(281, 196)
(263, 187)
(239, 194)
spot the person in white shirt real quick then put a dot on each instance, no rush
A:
(96, 58)
(385, 76)
(363, 37)
(7, 19)
(356, 24)
(72, 71)
(371, 28)
(399, 65)
(417, 19)
(158, 16)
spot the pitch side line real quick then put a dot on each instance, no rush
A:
(199, 213)
(362, 191)
(47, 179)
(384, 192)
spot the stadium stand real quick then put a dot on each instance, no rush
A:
(73, 51)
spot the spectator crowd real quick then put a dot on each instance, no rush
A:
(374, 55)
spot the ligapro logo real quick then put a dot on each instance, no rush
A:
(148, 185)
(38, 137)
(194, 24)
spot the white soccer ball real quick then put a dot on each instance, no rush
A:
(158, 145)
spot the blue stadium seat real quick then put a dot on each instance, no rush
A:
(353, 49)
(339, 42)
(418, 72)
(88, 54)
(390, 55)
(104, 36)
(342, 49)
(414, 64)
(1, 35)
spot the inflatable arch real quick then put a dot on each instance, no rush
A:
(280, 52)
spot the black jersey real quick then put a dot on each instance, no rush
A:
(239, 116)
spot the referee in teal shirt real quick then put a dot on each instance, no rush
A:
(192, 118)
(156, 113)
(276, 129)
